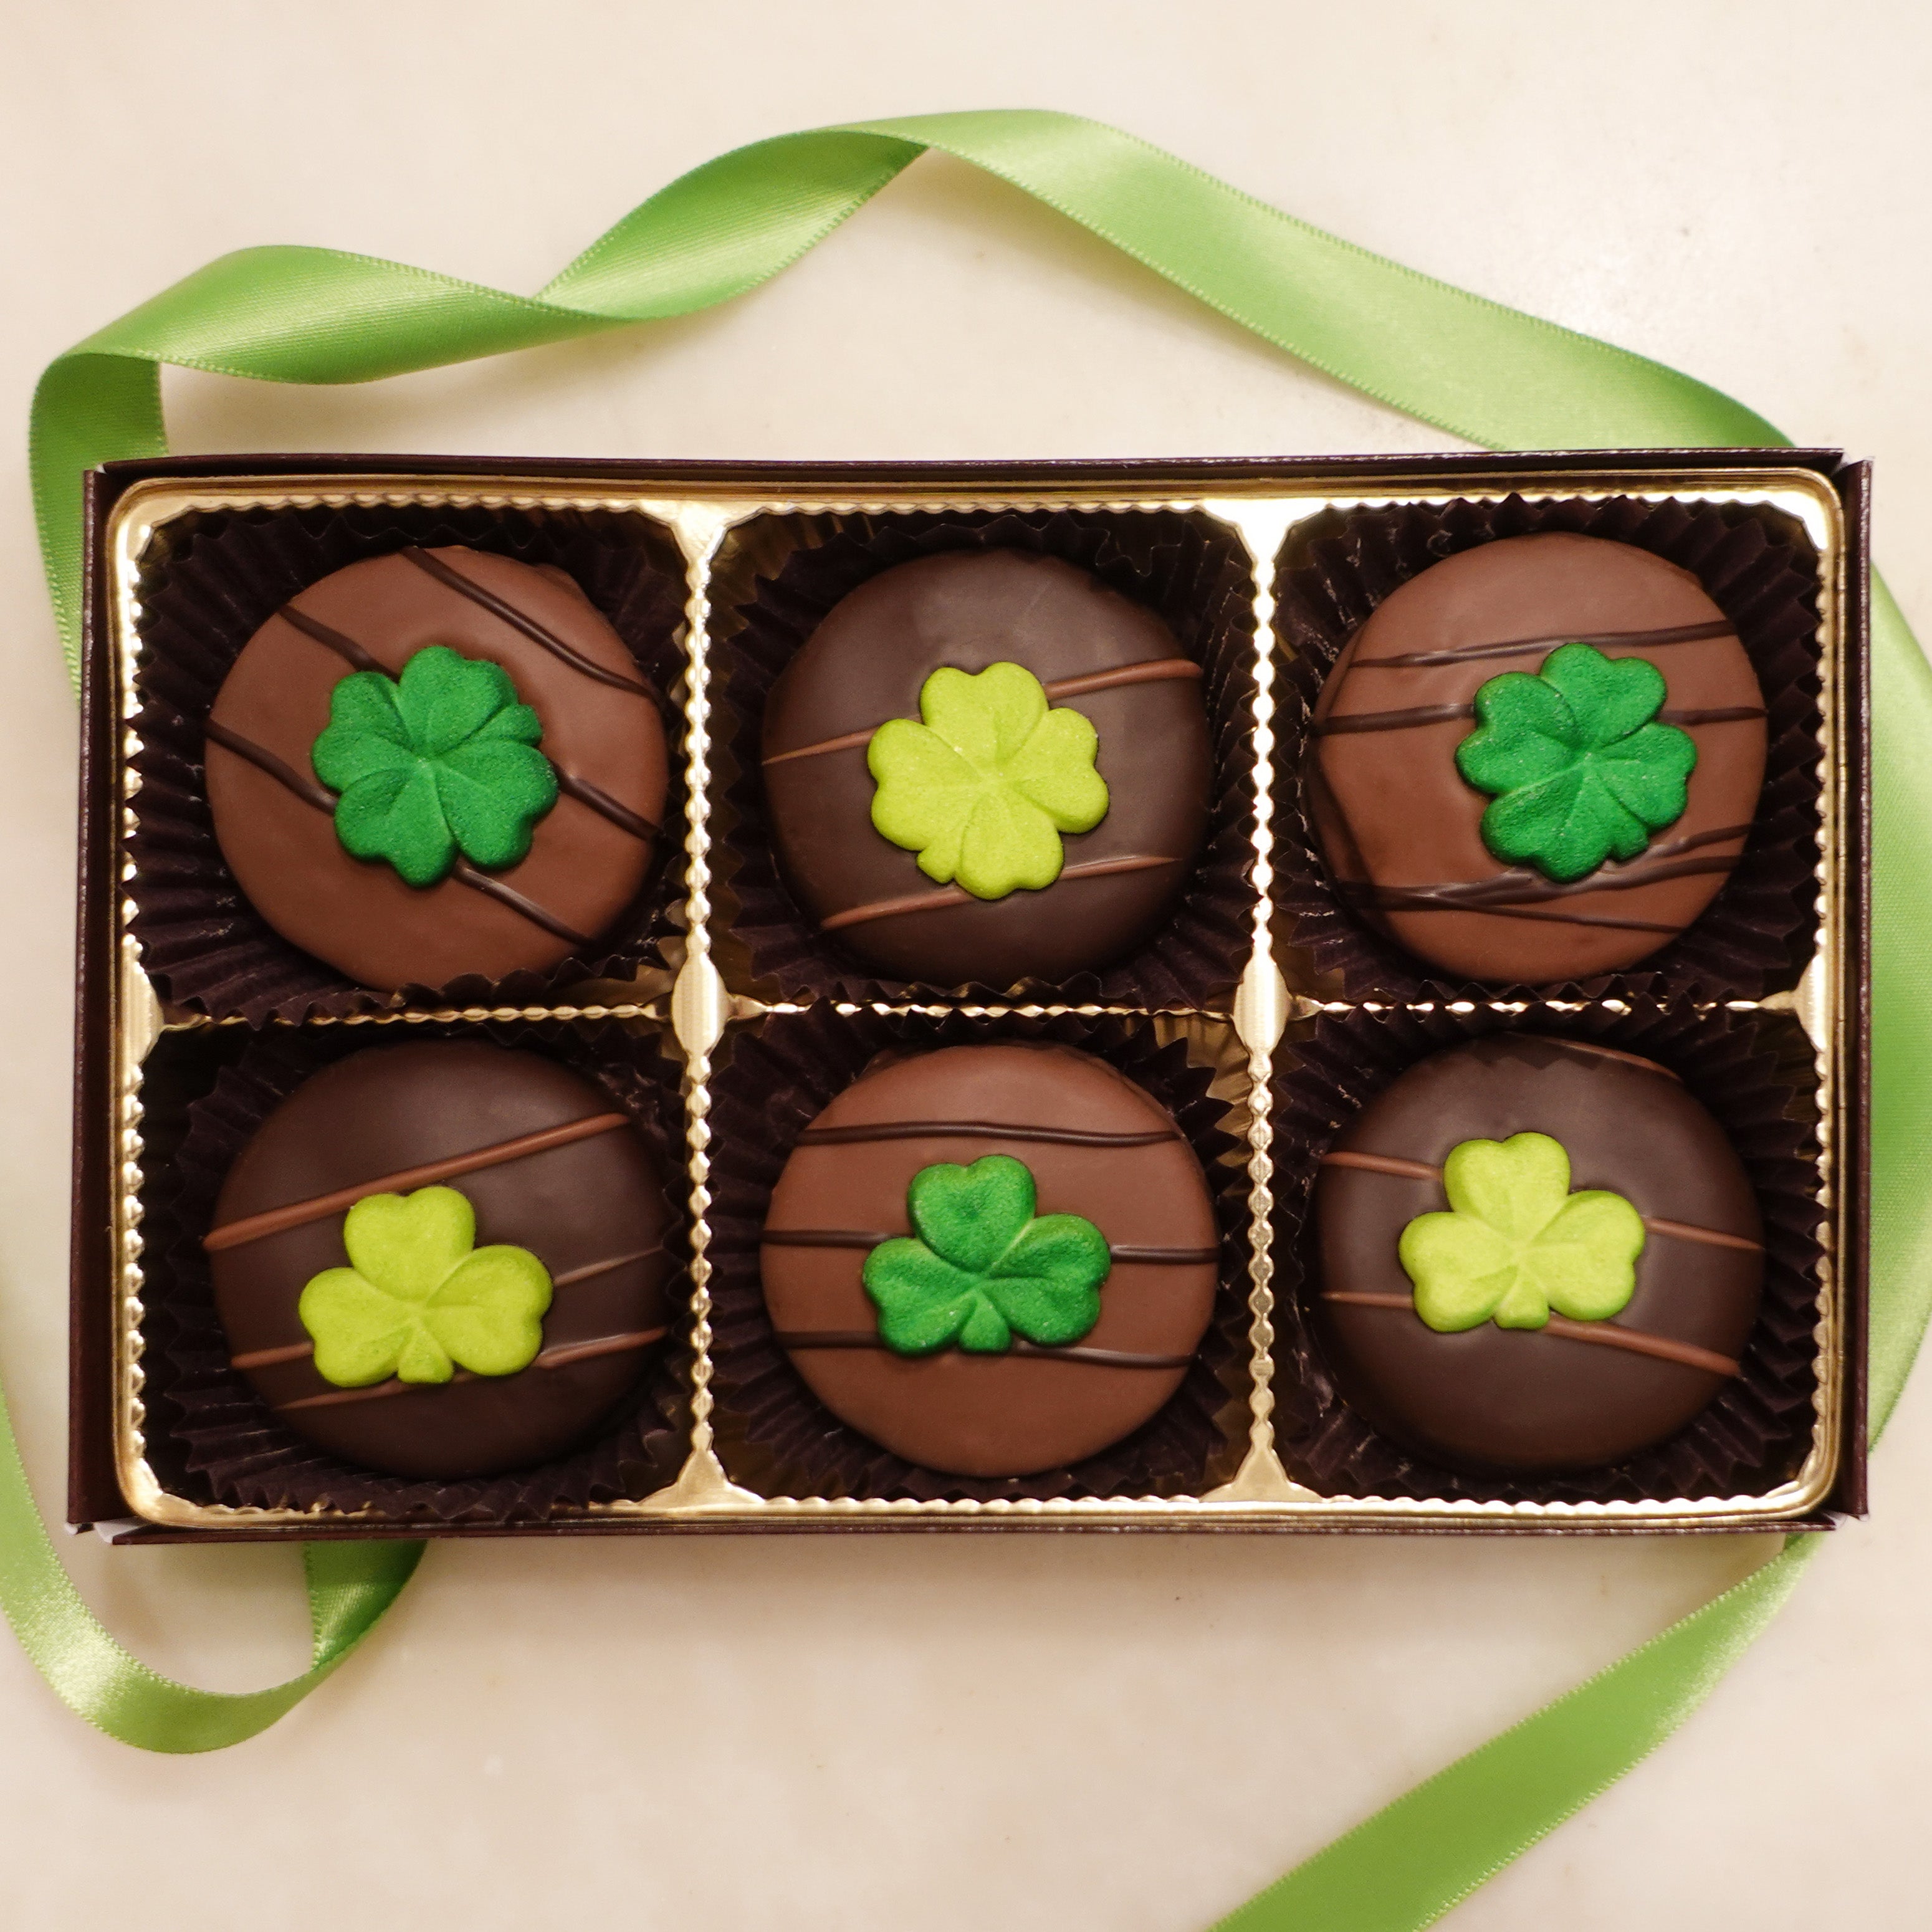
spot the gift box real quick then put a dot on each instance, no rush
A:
(1262, 999)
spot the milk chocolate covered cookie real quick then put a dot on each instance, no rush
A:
(992, 1260)
(437, 763)
(1538, 761)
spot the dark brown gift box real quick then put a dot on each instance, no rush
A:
(1272, 1014)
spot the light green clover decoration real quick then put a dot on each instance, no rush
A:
(1578, 769)
(420, 1299)
(981, 1268)
(1516, 1243)
(441, 759)
(984, 784)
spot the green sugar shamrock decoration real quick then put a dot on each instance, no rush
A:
(983, 788)
(982, 1267)
(1516, 1242)
(1578, 771)
(419, 1299)
(442, 760)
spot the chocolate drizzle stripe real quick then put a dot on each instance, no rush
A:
(1392, 721)
(295, 1351)
(263, 760)
(462, 871)
(1443, 714)
(1717, 714)
(1603, 1334)
(565, 1353)
(1613, 1053)
(343, 647)
(465, 874)
(272, 1358)
(869, 1238)
(1561, 918)
(571, 1276)
(299, 1213)
(561, 1357)
(981, 1130)
(601, 803)
(1520, 886)
(845, 742)
(1682, 1231)
(1417, 1170)
(955, 896)
(498, 606)
(1155, 670)
(1602, 641)
(1382, 1163)
(1102, 1358)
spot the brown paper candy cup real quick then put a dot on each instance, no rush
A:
(1754, 1071)
(778, 577)
(775, 1076)
(1755, 563)
(210, 1437)
(221, 576)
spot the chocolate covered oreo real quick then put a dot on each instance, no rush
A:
(991, 1260)
(437, 763)
(988, 768)
(443, 1259)
(1538, 761)
(1535, 1255)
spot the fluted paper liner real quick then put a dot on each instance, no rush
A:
(1758, 933)
(210, 1438)
(775, 1436)
(204, 590)
(1192, 572)
(1754, 1073)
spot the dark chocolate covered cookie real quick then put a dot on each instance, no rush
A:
(443, 1259)
(1535, 1255)
(985, 768)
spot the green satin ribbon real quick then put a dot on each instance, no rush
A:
(1485, 372)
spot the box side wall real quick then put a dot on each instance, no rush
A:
(93, 1493)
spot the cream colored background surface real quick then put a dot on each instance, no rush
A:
(933, 1733)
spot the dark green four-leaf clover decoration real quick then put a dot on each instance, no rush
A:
(1516, 1243)
(441, 760)
(419, 1299)
(980, 1267)
(1578, 770)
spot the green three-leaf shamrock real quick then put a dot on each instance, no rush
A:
(443, 758)
(419, 1299)
(981, 1268)
(1578, 770)
(983, 786)
(1516, 1242)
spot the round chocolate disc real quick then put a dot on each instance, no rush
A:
(1402, 829)
(1574, 1393)
(601, 733)
(548, 1165)
(852, 1275)
(1095, 651)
